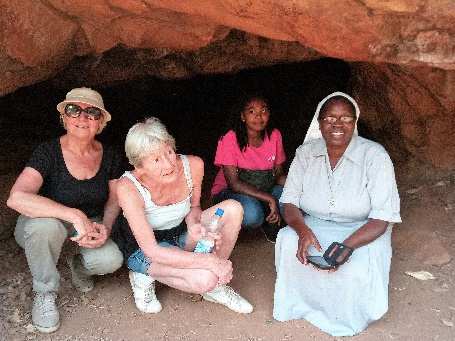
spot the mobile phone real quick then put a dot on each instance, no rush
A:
(319, 262)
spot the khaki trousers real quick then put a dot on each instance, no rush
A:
(43, 239)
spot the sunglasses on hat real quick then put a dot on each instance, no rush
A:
(74, 111)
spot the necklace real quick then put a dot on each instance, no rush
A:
(331, 200)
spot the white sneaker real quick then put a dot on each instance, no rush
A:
(81, 281)
(144, 293)
(45, 315)
(226, 296)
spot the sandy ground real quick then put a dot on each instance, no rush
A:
(419, 310)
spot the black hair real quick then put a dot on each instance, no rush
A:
(235, 123)
(334, 99)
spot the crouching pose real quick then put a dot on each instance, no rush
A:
(160, 199)
(66, 190)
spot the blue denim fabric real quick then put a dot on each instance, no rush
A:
(254, 210)
(138, 262)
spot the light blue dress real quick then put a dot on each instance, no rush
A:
(336, 203)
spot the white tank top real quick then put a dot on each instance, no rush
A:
(169, 216)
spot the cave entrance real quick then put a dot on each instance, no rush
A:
(194, 110)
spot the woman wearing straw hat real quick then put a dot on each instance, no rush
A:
(340, 197)
(66, 191)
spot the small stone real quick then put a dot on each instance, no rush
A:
(439, 183)
(447, 323)
(420, 275)
(414, 190)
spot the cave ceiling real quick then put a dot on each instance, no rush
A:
(102, 41)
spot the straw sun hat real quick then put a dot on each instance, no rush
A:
(86, 96)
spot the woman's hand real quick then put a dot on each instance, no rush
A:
(195, 231)
(217, 238)
(193, 223)
(198, 231)
(222, 268)
(82, 225)
(95, 238)
(306, 239)
(274, 215)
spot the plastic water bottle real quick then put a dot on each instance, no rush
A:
(206, 244)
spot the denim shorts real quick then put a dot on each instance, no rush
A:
(138, 262)
(255, 211)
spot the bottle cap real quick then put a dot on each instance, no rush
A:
(219, 212)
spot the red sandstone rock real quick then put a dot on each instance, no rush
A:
(45, 34)
(412, 102)
(35, 33)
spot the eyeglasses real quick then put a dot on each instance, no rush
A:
(343, 119)
(74, 111)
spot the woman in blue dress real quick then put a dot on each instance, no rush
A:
(340, 188)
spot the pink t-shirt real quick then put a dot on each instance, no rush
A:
(269, 154)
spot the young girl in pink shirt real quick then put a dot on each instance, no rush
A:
(250, 156)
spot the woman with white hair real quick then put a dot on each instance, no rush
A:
(160, 199)
(66, 190)
(340, 197)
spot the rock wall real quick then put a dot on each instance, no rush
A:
(40, 37)
(410, 110)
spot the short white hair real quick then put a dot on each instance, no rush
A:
(146, 137)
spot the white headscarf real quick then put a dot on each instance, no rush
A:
(313, 131)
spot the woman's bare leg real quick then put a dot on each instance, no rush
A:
(231, 220)
(197, 281)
